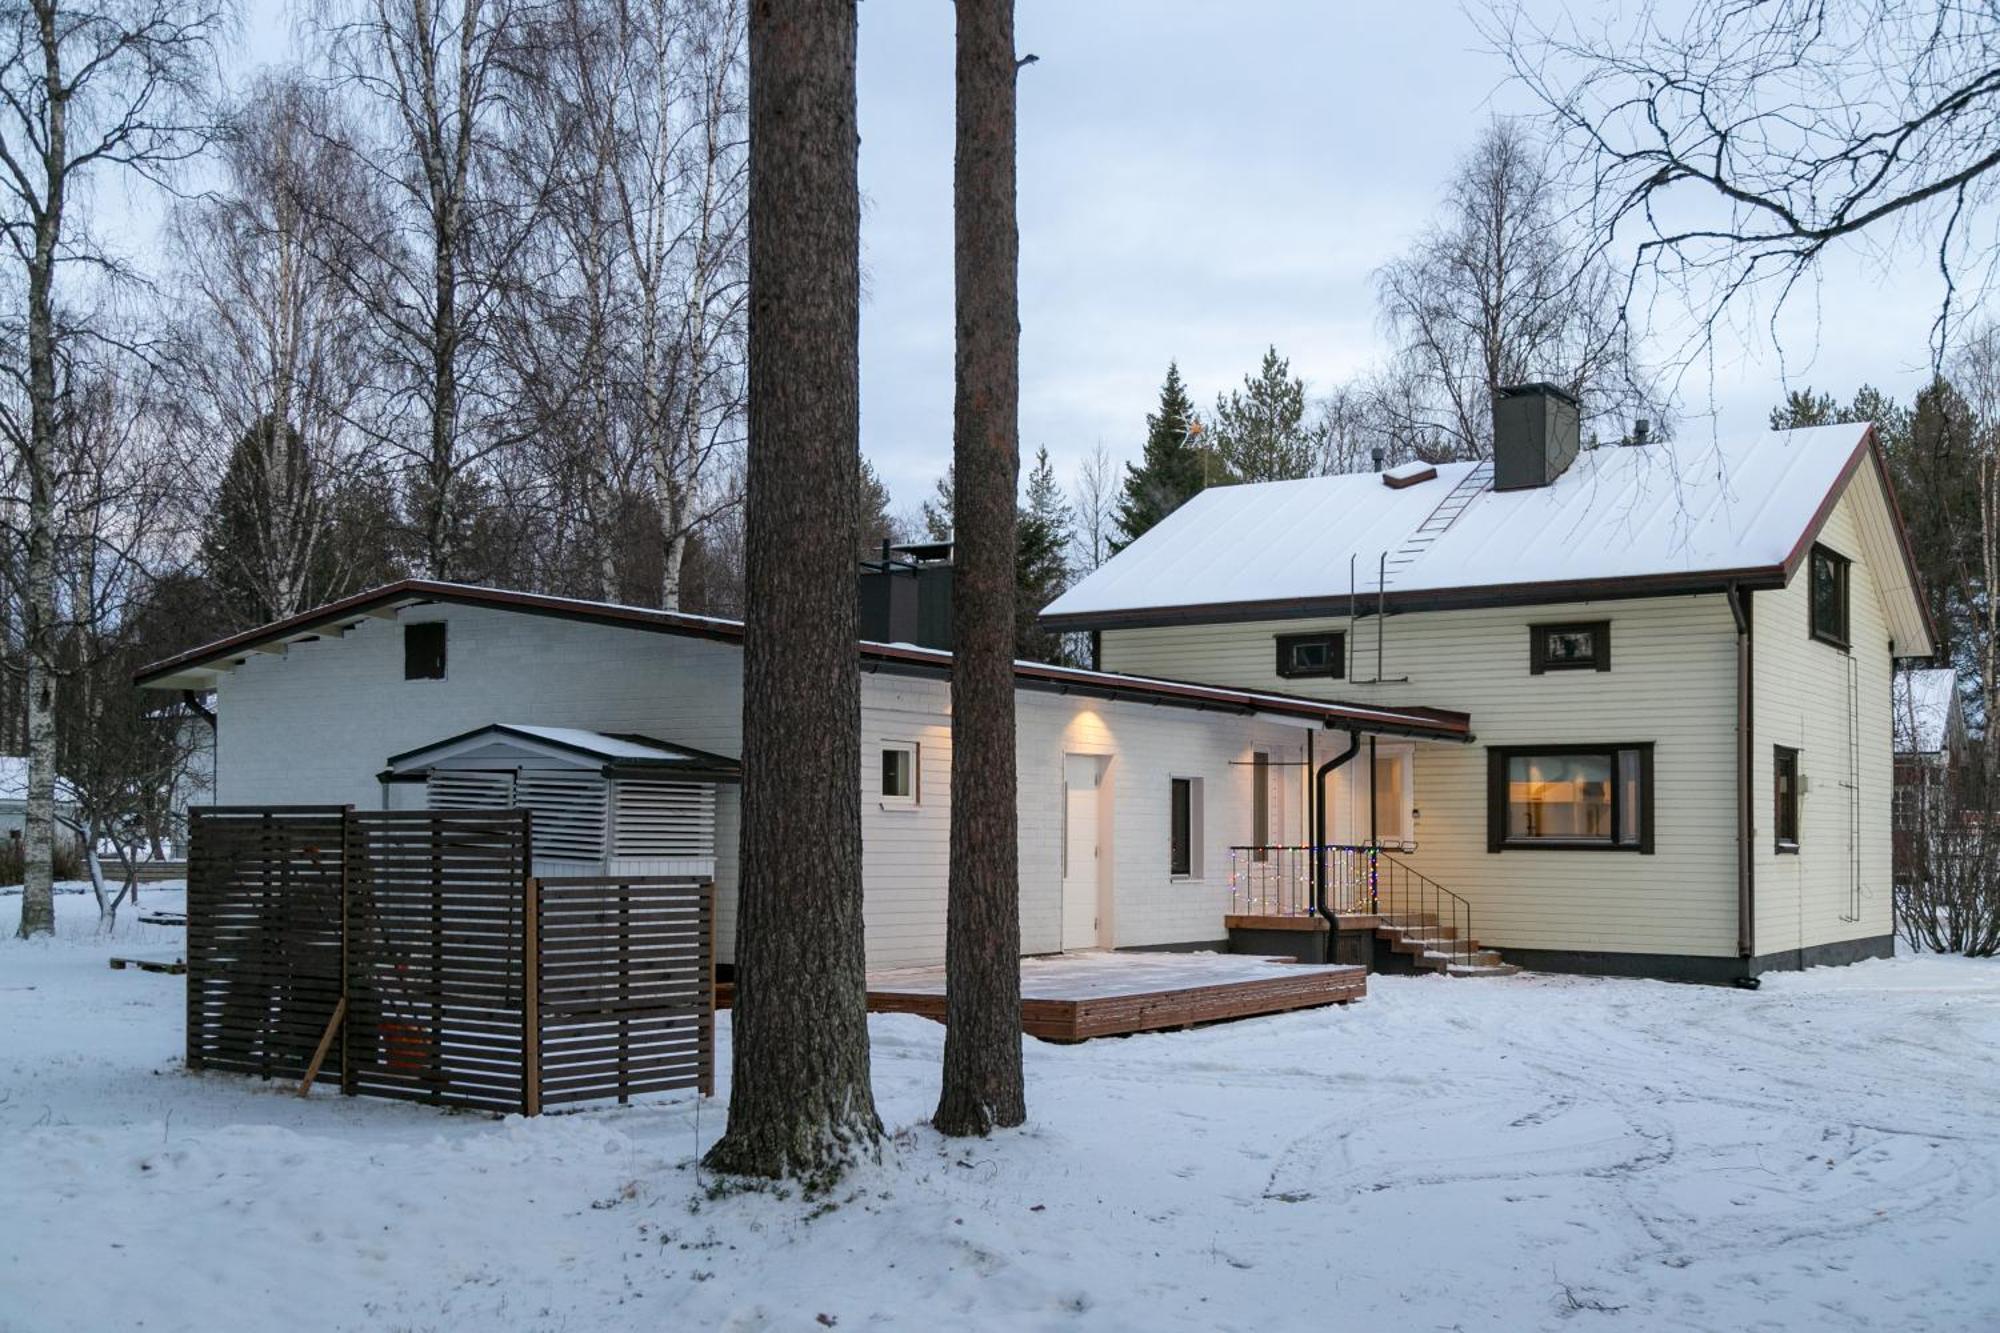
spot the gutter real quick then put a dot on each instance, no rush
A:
(1746, 782)
(1324, 772)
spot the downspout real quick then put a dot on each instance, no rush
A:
(1746, 773)
(1320, 905)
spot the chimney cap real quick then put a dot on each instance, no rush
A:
(1536, 389)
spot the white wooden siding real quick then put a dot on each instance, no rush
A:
(1672, 682)
(1802, 701)
(316, 724)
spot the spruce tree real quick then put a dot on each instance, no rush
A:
(1041, 561)
(1261, 432)
(1171, 470)
(936, 512)
(873, 523)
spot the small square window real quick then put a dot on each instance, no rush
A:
(1312, 655)
(423, 650)
(899, 773)
(1580, 646)
(1827, 596)
(1785, 793)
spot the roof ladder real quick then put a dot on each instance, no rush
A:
(1455, 502)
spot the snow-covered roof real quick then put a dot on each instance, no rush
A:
(201, 667)
(1924, 699)
(1659, 514)
(517, 744)
(14, 780)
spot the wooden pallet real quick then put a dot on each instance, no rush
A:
(175, 968)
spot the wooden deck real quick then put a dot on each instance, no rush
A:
(1075, 996)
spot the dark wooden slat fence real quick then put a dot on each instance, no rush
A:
(467, 982)
(263, 942)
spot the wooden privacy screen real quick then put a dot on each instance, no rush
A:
(263, 941)
(437, 956)
(465, 981)
(625, 989)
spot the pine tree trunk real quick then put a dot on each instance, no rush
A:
(982, 1050)
(800, 1103)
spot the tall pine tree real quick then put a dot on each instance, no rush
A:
(1261, 432)
(1170, 472)
(1041, 561)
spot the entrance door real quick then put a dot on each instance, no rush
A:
(1377, 805)
(1083, 860)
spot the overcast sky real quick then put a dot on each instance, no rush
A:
(1199, 179)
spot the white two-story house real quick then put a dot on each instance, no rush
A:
(1676, 659)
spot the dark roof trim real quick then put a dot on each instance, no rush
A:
(1434, 599)
(1421, 723)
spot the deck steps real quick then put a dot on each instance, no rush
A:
(1437, 948)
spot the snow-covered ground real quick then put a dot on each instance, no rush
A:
(1496, 1154)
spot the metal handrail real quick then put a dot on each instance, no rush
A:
(1409, 899)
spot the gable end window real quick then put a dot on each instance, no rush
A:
(423, 650)
(1827, 572)
(1785, 794)
(1577, 646)
(1312, 655)
(1570, 798)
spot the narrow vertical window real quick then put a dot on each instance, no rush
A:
(1260, 805)
(423, 650)
(1184, 830)
(1785, 792)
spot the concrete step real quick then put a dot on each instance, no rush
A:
(1482, 970)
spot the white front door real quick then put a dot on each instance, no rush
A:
(1378, 804)
(1082, 850)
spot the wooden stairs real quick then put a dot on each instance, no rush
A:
(1432, 947)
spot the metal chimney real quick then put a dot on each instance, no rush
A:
(1536, 433)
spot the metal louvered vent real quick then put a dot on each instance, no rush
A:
(469, 791)
(665, 819)
(568, 813)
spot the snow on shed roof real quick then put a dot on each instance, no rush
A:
(611, 750)
(1923, 700)
(1653, 516)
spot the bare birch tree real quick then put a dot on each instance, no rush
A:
(1500, 290)
(90, 90)
(427, 78)
(269, 359)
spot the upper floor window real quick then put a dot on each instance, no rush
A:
(1579, 646)
(1827, 572)
(1312, 655)
(423, 650)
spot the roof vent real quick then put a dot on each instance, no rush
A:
(1642, 433)
(1408, 474)
(1535, 435)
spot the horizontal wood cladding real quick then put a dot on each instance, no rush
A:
(1673, 685)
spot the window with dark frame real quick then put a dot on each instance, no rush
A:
(1260, 805)
(423, 650)
(1562, 797)
(1827, 572)
(1576, 646)
(1785, 795)
(1312, 655)
(1180, 836)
